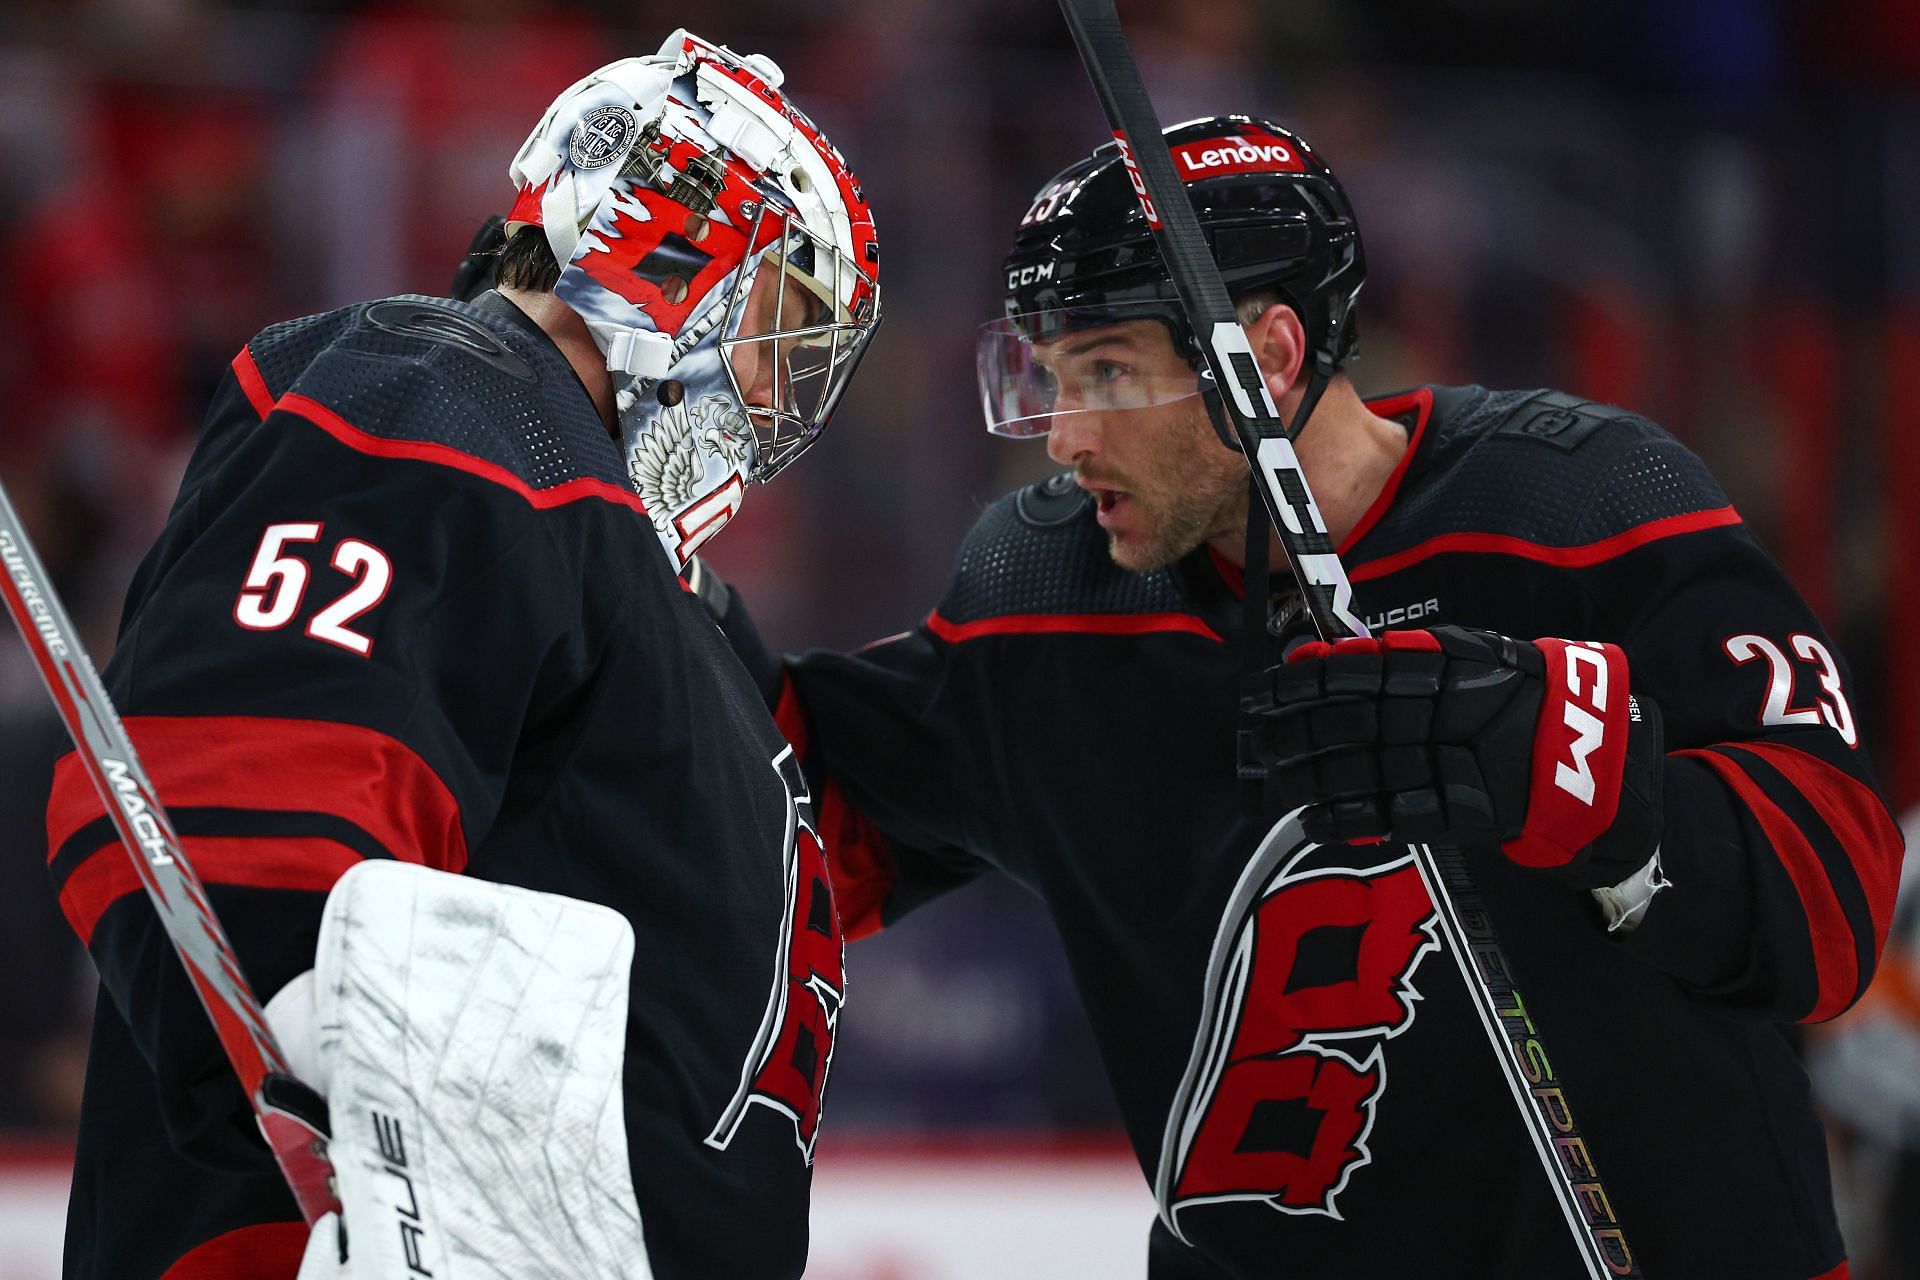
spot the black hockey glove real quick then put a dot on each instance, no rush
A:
(1462, 737)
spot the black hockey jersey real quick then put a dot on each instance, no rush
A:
(406, 606)
(1073, 725)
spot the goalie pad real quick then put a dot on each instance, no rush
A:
(472, 1036)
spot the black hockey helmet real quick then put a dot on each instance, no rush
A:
(1274, 215)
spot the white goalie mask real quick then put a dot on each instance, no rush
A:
(723, 258)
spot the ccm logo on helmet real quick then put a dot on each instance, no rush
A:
(1252, 152)
(1020, 276)
(1139, 183)
(1583, 712)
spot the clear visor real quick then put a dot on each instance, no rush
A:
(1038, 365)
(794, 337)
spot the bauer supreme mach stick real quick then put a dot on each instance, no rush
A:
(1539, 1094)
(291, 1115)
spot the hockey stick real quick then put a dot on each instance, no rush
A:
(292, 1116)
(1464, 921)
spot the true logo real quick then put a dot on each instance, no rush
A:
(601, 137)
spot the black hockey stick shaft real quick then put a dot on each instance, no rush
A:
(1538, 1093)
(291, 1115)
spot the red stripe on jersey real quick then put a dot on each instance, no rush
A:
(255, 386)
(1580, 557)
(447, 456)
(1033, 624)
(360, 775)
(1420, 402)
(1836, 968)
(861, 861)
(264, 1251)
(1857, 818)
(1838, 1273)
(1230, 573)
(788, 718)
(254, 862)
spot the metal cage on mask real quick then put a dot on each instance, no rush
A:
(791, 343)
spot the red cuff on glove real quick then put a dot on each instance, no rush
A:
(1579, 753)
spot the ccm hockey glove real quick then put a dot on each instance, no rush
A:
(1461, 737)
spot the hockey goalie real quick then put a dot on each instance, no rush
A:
(497, 824)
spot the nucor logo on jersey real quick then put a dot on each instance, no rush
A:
(1251, 152)
(146, 828)
(1403, 613)
(1575, 777)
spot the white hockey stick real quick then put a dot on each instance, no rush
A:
(292, 1117)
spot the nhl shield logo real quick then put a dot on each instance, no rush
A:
(601, 137)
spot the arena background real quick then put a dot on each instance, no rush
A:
(1708, 210)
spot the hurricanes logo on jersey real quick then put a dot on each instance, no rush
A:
(787, 1067)
(1311, 974)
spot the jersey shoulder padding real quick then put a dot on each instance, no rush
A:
(1543, 467)
(1039, 551)
(441, 375)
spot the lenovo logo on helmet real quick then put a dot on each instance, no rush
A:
(1020, 277)
(1253, 151)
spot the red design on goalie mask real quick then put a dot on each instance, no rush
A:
(639, 253)
(787, 1069)
(1319, 981)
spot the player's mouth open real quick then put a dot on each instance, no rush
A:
(1108, 503)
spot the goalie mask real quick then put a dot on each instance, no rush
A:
(723, 258)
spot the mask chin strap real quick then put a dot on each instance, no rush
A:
(1261, 625)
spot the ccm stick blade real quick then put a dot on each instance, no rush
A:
(291, 1115)
(1539, 1095)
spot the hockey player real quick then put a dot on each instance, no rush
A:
(417, 601)
(1671, 818)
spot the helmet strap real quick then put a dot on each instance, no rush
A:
(1317, 383)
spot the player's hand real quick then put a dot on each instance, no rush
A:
(1462, 737)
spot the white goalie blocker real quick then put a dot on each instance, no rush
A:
(468, 1037)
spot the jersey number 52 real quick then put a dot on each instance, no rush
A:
(276, 585)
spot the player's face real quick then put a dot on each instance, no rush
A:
(1162, 481)
(776, 303)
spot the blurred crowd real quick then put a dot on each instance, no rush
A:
(1699, 208)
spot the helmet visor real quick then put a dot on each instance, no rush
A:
(1039, 365)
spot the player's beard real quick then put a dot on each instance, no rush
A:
(1186, 489)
